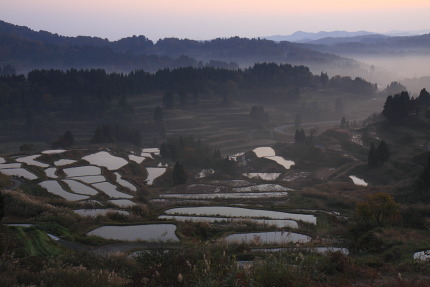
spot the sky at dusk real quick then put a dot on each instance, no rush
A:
(209, 19)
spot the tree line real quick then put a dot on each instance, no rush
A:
(92, 91)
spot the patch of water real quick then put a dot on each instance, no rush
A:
(264, 151)
(99, 212)
(153, 173)
(82, 171)
(422, 255)
(10, 165)
(78, 187)
(205, 173)
(30, 160)
(124, 183)
(122, 202)
(358, 181)
(269, 222)
(63, 162)
(50, 172)
(287, 164)
(54, 187)
(2, 160)
(19, 172)
(235, 156)
(91, 178)
(269, 153)
(137, 159)
(240, 212)
(268, 238)
(148, 232)
(241, 195)
(262, 188)
(53, 151)
(154, 150)
(262, 176)
(105, 159)
(111, 190)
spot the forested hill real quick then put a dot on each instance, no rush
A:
(27, 49)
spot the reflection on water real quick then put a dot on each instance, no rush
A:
(279, 223)
(153, 173)
(82, 171)
(111, 190)
(54, 187)
(105, 159)
(358, 181)
(240, 212)
(79, 187)
(147, 232)
(19, 172)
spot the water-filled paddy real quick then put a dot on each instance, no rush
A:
(262, 188)
(83, 171)
(135, 158)
(358, 181)
(10, 165)
(422, 255)
(154, 172)
(147, 232)
(53, 151)
(269, 153)
(111, 190)
(122, 202)
(91, 178)
(63, 162)
(54, 187)
(30, 160)
(287, 164)
(223, 211)
(78, 187)
(124, 183)
(264, 151)
(19, 172)
(241, 195)
(205, 173)
(279, 223)
(105, 159)
(50, 172)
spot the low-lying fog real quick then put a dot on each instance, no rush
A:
(408, 70)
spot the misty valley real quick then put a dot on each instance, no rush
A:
(230, 162)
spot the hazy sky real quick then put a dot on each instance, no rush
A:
(208, 19)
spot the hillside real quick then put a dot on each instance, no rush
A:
(27, 49)
(264, 210)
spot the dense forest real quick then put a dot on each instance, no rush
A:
(28, 49)
(92, 91)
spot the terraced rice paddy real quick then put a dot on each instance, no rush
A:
(147, 232)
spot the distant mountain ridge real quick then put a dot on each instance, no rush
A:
(29, 49)
(304, 37)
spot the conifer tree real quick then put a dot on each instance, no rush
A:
(1, 206)
(383, 152)
(179, 175)
(372, 158)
